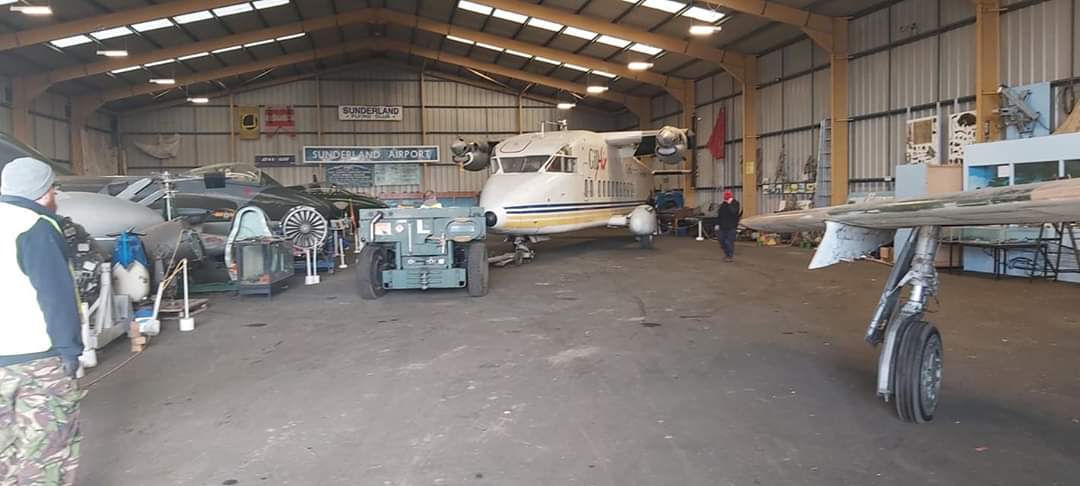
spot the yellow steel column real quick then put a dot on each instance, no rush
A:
(688, 115)
(987, 68)
(839, 112)
(749, 138)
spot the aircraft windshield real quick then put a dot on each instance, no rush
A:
(528, 163)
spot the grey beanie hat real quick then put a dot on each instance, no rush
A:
(26, 177)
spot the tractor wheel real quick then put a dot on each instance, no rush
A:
(477, 269)
(369, 279)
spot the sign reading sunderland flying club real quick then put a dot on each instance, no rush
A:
(369, 113)
(371, 155)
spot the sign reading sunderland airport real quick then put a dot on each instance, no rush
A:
(369, 113)
(371, 155)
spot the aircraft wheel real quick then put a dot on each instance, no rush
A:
(371, 263)
(918, 372)
(477, 269)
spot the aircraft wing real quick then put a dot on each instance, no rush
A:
(856, 229)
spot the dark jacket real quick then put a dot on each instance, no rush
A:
(728, 215)
(42, 255)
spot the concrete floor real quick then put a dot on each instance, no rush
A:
(599, 364)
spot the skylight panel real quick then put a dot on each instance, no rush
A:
(460, 39)
(604, 74)
(227, 49)
(72, 41)
(193, 17)
(475, 7)
(545, 24)
(703, 14)
(511, 16)
(233, 9)
(152, 25)
(575, 67)
(111, 33)
(193, 56)
(159, 63)
(580, 33)
(125, 70)
(669, 6)
(549, 61)
(613, 41)
(261, 4)
(489, 46)
(291, 36)
(519, 54)
(646, 49)
(259, 43)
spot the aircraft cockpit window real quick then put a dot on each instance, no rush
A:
(529, 163)
(562, 163)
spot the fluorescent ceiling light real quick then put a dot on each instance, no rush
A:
(261, 4)
(233, 9)
(159, 63)
(163, 81)
(291, 36)
(193, 56)
(193, 17)
(646, 49)
(489, 46)
(703, 29)
(545, 24)
(259, 43)
(613, 41)
(580, 33)
(511, 16)
(519, 54)
(668, 6)
(575, 67)
(460, 39)
(475, 7)
(703, 14)
(152, 25)
(199, 100)
(72, 41)
(113, 52)
(226, 49)
(604, 74)
(32, 9)
(110, 33)
(125, 70)
(565, 106)
(549, 61)
(639, 66)
(596, 89)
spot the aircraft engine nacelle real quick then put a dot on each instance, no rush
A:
(671, 145)
(640, 222)
(471, 156)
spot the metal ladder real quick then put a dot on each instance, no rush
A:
(1052, 247)
(823, 183)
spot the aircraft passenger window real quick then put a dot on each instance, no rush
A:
(530, 163)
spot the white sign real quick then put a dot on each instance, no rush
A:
(369, 113)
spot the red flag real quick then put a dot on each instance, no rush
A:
(719, 135)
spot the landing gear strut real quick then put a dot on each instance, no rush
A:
(910, 364)
(521, 255)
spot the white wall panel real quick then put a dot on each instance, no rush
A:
(822, 94)
(798, 57)
(869, 31)
(913, 17)
(1037, 43)
(869, 84)
(771, 100)
(770, 66)
(953, 11)
(914, 73)
(799, 101)
(957, 71)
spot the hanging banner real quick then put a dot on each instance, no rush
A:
(369, 113)
(247, 121)
(719, 135)
(275, 160)
(349, 175)
(371, 155)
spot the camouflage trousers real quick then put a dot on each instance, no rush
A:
(39, 424)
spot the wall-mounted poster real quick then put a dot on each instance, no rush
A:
(247, 121)
(369, 113)
(349, 175)
(397, 175)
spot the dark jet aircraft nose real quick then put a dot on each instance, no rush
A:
(491, 219)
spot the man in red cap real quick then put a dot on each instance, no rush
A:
(728, 222)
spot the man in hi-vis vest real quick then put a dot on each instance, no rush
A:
(40, 333)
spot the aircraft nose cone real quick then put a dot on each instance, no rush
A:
(491, 219)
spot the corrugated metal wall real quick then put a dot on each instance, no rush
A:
(452, 110)
(909, 59)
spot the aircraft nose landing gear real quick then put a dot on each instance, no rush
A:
(910, 364)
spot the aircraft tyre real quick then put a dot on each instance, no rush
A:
(370, 264)
(918, 372)
(477, 269)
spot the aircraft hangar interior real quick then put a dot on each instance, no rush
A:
(539, 242)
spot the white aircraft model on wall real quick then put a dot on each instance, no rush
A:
(552, 182)
(910, 363)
